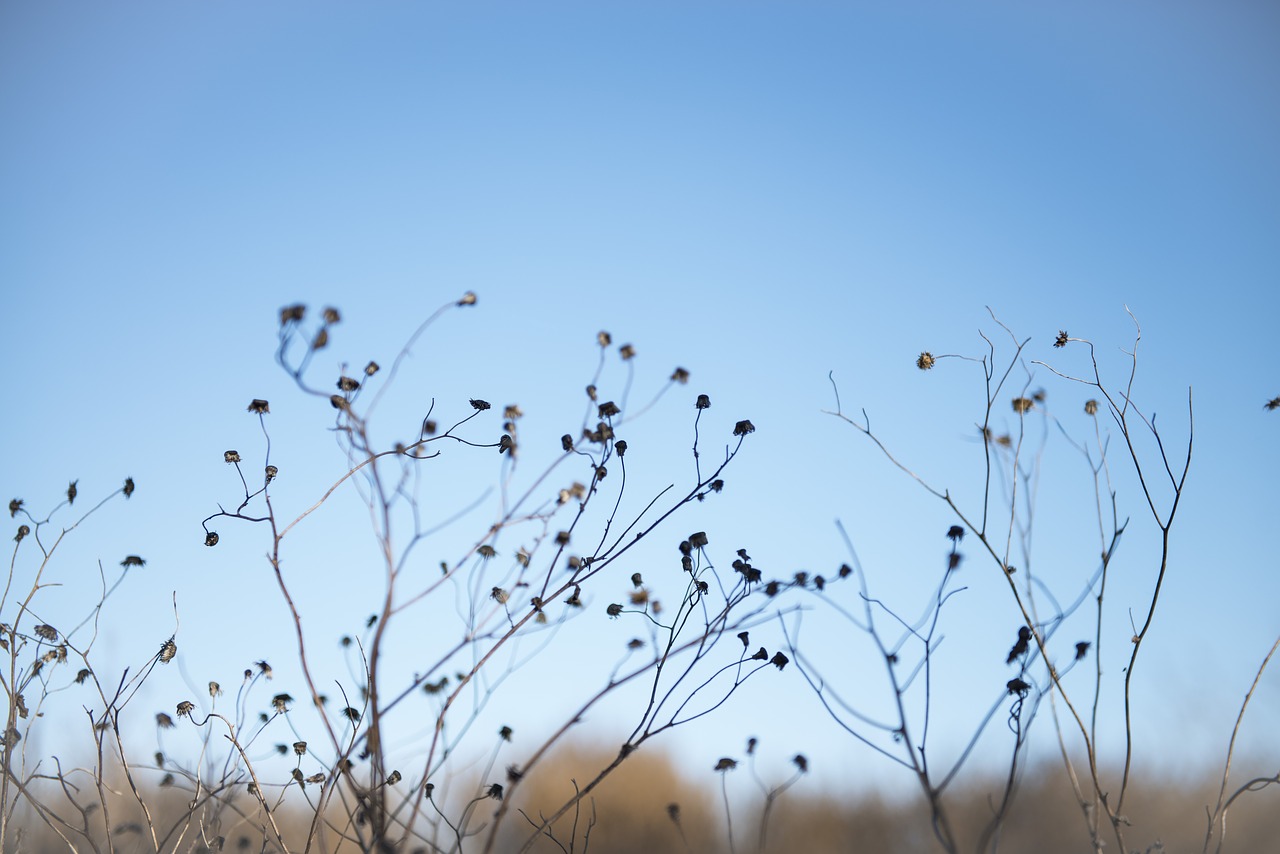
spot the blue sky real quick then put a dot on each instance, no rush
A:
(759, 192)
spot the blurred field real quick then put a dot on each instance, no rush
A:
(632, 816)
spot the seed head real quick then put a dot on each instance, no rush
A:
(626, 351)
(231, 456)
(479, 405)
(469, 298)
(271, 472)
(292, 313)
(801, 762)
(499, 595)
(604, 339)
(215, 690)
(506, 445)
(14, 506)
(280, 702)
(339, 402)
(46, 632)
(636, 580)
(925, 361)
(168, 650)
(132, 560)
(71, 492)
(703, 402)
(331, 315)
(82, 676)
(185, 708)
(698, 540)
(613, 610)
(487, 551)
(1018, 687)
(742, 428)
(1091, 406)
(608, 409)
(680, 375)
(128, 487)
(726, 764)
(779, 660)
(1061, 340)
(23, 530)
(347, 384)
(1022, 404)
(211, 538)
(321, 340)
(1082, 649)
(621, 447)
(259, 406)
(164, 721)
(495, 791)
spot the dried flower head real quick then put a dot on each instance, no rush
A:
(726, 764)
(680, 375)
(608, 409)
(487, 551)
(331, 315)
(495, 791)
(1082, 649)
(168, 650)
(271, 472)
(263, 668)
(292, 313)
(1017, 686)
(613, 610)
(128, 487)
(1022, 404)
(479, 405)
(1061, 340)
(469, 298)
(621, 447)
(258, 406)
(1091, 406)
(1038, 395)
(604, 339)
(703, 402)
(800, 762)
(742, 428)
(626, 351)
(347, 384)
(164, 721)
(82, 676)
(562, 538)
(72, 492)
(280, 702)
(211, 538)
(132, 560)
(23, 530)
(955, 533)
(185, 708)
(499, 595)
(779, 660)
(321, 340)
(231, 456)
(506, 445)
(14, 506)
(925, 361)
(215, 690)
(46, 632)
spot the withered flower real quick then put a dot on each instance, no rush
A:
(744, 427)
(779, 660)
(168, 650)
(698, 539)
(626, 351)
(506, 445)
(215, 690)
(280, 702)
(703, 402)
(636, 579)
(128, 487)
(82, 676)
(608, 409)
(1061, 340)
(566, 442)
(499, 595)
(613, 610)
(393, 778)
(14, 506)
(71, 492)
(1091, 406)
(292, 313)
(211, 538)
(925, 361)
(1017, 686)
(231, 456)
(479, 405)
(726, 764)
(164, 721)
(132, 560)
(1082, 649)
(469, 298)
(680, 375)
(801, 762)
(955, 533)
(495, 791)
(321, 340)
(271, 472)
(604, 339)
(505, 733)
(259, 406)
(331, 315)
(185, 708)
(1022, 404)
(46, 632)
(621, 447)
(347, 384)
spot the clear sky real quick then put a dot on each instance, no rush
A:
(759, 192)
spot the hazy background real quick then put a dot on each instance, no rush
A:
(759, 192)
